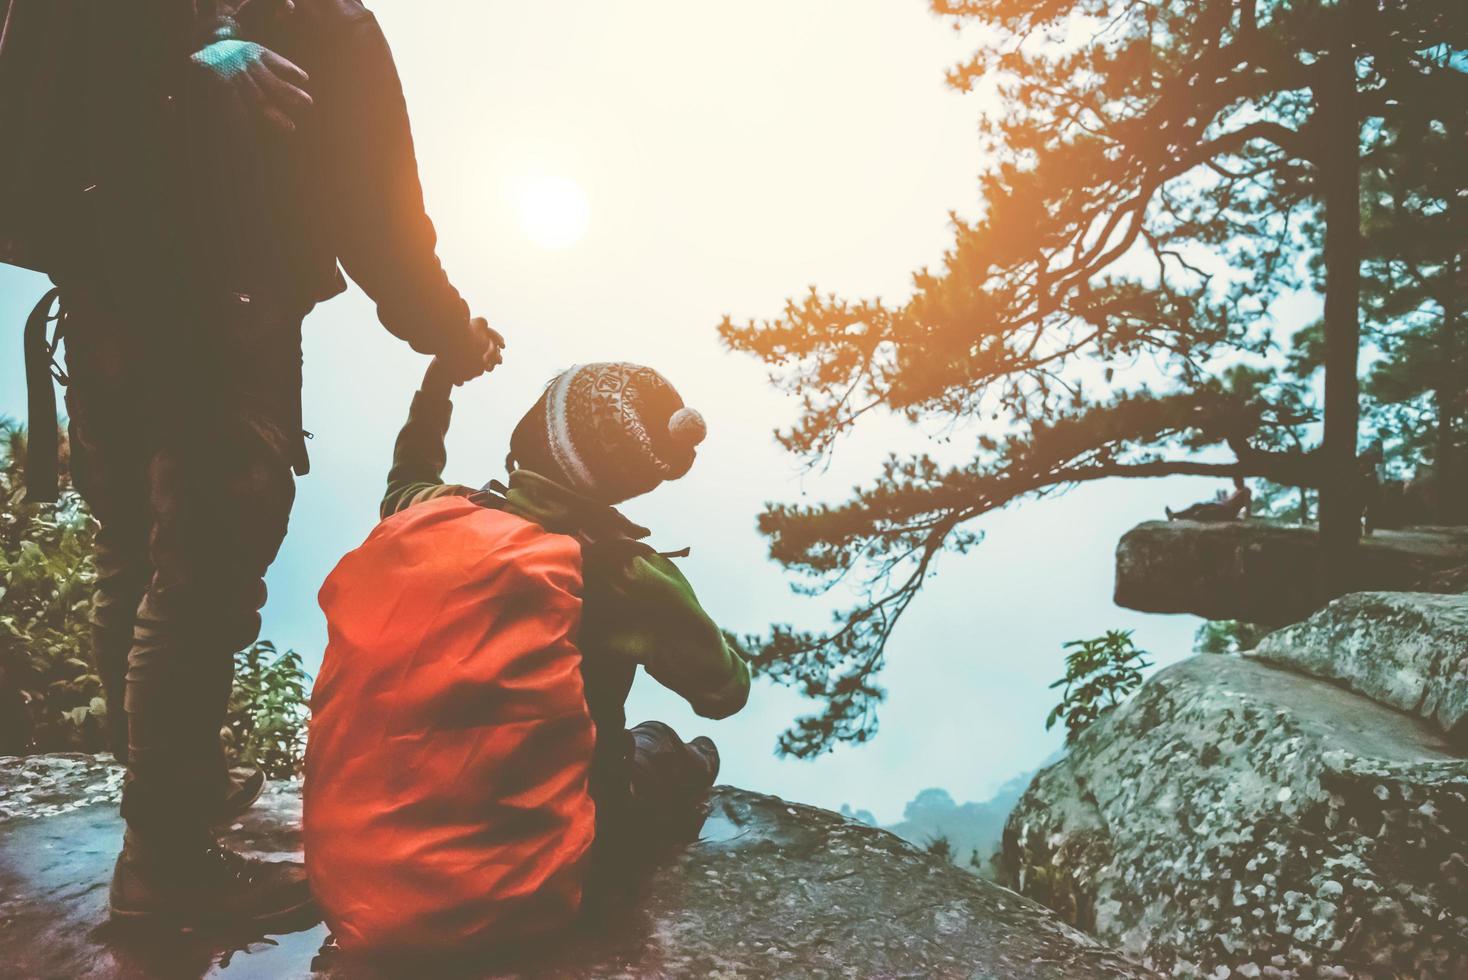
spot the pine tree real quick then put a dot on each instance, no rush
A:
(1416, 278)
(1161, 172)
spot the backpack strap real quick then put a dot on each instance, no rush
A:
(42, 470)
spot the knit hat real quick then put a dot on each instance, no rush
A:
(609, 431)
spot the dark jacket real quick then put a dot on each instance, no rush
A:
(72, 75)
(123, 172)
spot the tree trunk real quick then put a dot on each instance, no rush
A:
(1340, 174)
(1447, 396)
(1450, 503)
(1445, 399)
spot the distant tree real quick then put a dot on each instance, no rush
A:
(940, 847)
(1414, 284)
(1228, 636)
(1415, 290)
(991, 867)
(1100, 674)
(1161, 173)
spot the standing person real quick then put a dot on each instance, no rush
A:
(207, 165)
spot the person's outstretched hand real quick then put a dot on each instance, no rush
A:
(258, 79)
(494, 349)
(487, 352)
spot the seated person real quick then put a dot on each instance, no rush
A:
(467, 771)
(1225, 507)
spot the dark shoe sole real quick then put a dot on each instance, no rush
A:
(302, 915)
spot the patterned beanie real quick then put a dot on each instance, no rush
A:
(608, 431)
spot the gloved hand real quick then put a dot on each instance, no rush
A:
(481, 352)
(260, 80)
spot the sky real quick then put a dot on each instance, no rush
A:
(608, 181)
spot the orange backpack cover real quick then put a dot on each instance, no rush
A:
(446, 799)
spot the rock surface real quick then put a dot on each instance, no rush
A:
(1235, 819)
(1408, 650)
(1260, 572)
(772, 889)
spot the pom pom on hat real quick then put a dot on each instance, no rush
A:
(609, 431)
(686, 428)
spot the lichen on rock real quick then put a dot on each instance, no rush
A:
(1408, 650)
(1239, 819)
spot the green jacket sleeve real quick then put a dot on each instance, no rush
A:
(639, 607)
(419, 456)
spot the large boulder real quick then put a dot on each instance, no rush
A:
(1408, 650)
(1262, 572)
(1236, 819)
(772, 889)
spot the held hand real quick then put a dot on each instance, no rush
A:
(485, 353)
(258, 79)
(494, 348)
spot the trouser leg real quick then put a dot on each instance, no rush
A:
(220, 498)
(640, 774)
(652, 787)
(123, 571)
(109, 436)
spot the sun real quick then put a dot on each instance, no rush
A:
(554, 211)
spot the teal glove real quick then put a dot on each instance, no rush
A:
(258, 79)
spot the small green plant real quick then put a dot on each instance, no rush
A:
(51, 699)
(1099, 675)
(49, 694)
(268, 710)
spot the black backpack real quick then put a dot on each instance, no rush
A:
(38, 96)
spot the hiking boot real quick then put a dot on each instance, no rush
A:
(708, 752)
(666, 769)
(208, 885)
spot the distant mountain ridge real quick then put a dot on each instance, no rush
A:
(973, 830)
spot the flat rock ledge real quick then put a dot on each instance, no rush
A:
(1408, 650)
(1261, 572)
(1239, 820)
(771, 889)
